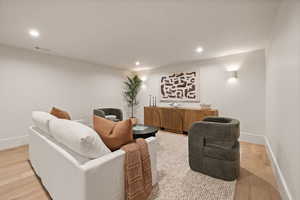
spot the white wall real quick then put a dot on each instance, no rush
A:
(283, 94)
(34, 81)
(244, 99)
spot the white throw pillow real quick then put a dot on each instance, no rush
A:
(78, 137)
(41, 120)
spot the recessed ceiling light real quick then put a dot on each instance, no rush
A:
(137, 63)
(199, 49)
(34, 33)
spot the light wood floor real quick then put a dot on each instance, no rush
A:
(18, 181)
(256, 181)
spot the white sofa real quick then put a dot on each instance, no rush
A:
(68, 176)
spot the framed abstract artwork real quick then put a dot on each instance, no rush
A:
(180, 87)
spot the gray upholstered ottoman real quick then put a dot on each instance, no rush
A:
(214, 148)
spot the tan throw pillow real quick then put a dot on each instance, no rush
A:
(113, 134)
(60, 113)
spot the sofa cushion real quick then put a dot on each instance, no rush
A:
(114, 134)
(60, 113)
(78, 137)
(41, 120)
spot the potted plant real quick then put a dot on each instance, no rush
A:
(131, 90)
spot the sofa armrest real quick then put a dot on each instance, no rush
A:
(104, 177)
(79, 120)
(119, 153)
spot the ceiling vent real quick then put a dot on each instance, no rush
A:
(41, 49)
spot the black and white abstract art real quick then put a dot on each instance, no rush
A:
(180, 87)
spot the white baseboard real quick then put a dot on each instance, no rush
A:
(281, 182)
(13, 142)
(252, 138)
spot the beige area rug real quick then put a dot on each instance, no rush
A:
(177, 181)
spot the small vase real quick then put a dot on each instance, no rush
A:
(153, 101)
(150, 101)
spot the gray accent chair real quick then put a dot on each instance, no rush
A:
(102, 112)
(214, 149)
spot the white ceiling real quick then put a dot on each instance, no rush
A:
(155, 32)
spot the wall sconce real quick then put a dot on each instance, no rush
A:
(232, 76)
(232, 72)
(144, 78)
(143, 86)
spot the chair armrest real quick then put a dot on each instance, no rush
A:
(220, 131)
(117, 112)
(99, 113)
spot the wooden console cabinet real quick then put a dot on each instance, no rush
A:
(176, 120)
